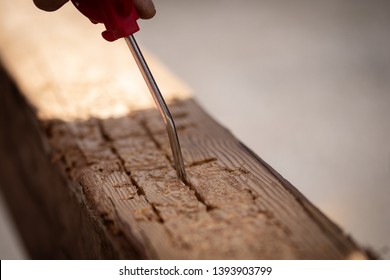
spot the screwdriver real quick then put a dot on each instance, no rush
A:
(120, 20)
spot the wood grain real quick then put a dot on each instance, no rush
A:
(234, 207)
(111, 182)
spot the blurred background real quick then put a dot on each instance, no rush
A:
(304, 83)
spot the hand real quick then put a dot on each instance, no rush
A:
(145, 8)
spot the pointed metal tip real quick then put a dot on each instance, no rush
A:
(162, 107)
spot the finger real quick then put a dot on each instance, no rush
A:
(49, 5)
(145, 8)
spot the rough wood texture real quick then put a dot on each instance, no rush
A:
(95, 178)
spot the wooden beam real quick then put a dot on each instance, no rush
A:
(87, 168)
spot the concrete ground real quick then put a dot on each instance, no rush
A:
(304, 83)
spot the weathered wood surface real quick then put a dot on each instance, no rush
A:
(95, 173)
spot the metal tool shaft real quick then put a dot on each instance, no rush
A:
(162, 107)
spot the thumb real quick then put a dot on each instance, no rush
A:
(145, 8)
(49, 5)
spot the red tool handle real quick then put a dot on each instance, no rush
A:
(118, 16)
